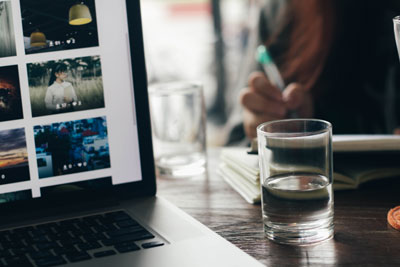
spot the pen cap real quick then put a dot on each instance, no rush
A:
(262, 55)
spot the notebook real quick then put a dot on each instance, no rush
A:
(357, 159)
(77, 179)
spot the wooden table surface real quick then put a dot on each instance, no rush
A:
(362, 234)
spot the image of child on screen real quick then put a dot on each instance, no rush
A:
(60, 95)
(65, 85)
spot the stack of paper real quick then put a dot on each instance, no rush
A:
(241, 171)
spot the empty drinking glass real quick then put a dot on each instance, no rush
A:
(179, 128)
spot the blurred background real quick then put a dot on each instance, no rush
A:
(202, 40)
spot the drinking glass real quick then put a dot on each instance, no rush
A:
(179, 128)
(295, 159)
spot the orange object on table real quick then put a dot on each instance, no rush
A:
(393, 217)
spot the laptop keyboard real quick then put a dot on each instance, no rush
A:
(74, 240)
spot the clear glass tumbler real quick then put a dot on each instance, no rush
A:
(295, 159)
(179, 128)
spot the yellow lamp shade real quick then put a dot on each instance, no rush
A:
(38, 39)
(79, 14)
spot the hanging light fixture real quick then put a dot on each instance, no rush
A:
(38, 39)
(79, 14)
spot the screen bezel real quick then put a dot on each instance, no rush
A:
(145, 187)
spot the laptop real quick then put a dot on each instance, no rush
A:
(77, 179)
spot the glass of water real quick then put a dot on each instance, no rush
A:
(295, 159)
(178, 119)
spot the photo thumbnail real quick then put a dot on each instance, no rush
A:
(10, 94)
(7, 36)
(65, 85)
(55, 25)
(13, 157)
(72, 147)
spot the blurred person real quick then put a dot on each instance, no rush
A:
(338, 59)
(60, 95)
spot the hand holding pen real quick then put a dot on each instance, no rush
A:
(267, 98)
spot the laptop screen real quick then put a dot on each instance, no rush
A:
(67, 109)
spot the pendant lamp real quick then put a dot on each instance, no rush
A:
(38, 39)
(79, 14)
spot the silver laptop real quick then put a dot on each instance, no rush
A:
(77, 180)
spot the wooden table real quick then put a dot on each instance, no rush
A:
(362, 235)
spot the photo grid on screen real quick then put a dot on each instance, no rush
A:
(53, 122)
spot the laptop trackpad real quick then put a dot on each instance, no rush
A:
(166, 219)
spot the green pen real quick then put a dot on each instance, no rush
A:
(272, 72)
(269, 66)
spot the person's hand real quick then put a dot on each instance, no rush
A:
(264, 102)
(396, 131)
